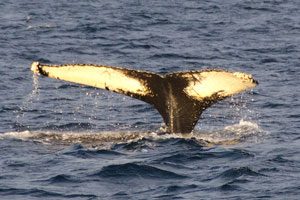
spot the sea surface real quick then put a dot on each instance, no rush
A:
(65, 141)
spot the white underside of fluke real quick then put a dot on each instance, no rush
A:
(222, 83)
(103, 77)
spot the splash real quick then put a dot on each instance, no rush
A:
(237, 133)
(243, 127)
(35, 91)
(244, 131)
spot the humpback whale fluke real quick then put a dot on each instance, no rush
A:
(179, 97)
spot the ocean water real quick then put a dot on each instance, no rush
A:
(64, 141)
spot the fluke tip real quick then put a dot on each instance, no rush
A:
(35, 67)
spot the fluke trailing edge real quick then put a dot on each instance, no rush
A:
(179, 97)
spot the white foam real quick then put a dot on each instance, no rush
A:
(243, 127)
(244, 131)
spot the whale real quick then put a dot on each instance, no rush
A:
(179, 97)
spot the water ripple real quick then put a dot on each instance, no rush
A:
(41, 193)
(61, 178)
(134, 170)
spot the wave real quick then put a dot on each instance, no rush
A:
(41, 193)
(184, 157)
(61, 178)
(233, 179)
(80, 152)
(229, 135)
(131, 170)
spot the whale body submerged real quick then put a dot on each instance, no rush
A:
(179, 97)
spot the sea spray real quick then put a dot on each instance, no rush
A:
(29, 99)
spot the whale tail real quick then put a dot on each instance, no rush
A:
(179, 97)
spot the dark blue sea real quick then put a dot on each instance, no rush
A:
(65, 141)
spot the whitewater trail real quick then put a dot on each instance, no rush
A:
(233, 134)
